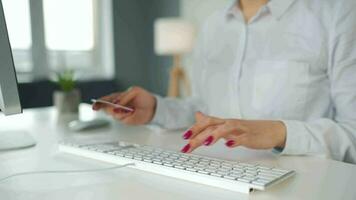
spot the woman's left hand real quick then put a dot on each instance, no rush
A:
(255, 134)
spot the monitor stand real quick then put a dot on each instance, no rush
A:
(13, 140)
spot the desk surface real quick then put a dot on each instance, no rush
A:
(316, 178)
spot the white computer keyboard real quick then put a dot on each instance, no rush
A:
(230, 175)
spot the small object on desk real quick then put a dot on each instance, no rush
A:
(112, 104)
(79, 125)
(13, 140)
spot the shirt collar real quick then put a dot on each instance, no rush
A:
(231, 8)
(277, 7)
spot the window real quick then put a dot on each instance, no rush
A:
(17, 14)
(53, 35)
(69, 25)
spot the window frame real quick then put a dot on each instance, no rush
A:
(102, 54)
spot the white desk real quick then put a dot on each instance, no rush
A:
(316, 178)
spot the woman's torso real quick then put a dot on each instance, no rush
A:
(275, 67)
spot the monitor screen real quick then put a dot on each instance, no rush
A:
(9, 96)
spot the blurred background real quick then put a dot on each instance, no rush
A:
(109, 44)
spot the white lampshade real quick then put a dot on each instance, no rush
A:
(173, 36)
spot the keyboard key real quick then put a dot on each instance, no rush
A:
(236, 175)
(137, 158)
(226, 167)
(184, 156)
(238, 170)
(222, 173)
(199, 165)
(205, 164)
(251, 172)
(247, 165)
(210, 170)
(168, 164)
(203, 172)
(267, 175)
(215, 174)
(199, 168)
(268, 178)
(263, 168)
(250, 178)
(191, 169)
(178, 167)
(187, 165)
(212, 167)
(230, 177)
(243, 180)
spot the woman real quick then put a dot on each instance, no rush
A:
(277, 74)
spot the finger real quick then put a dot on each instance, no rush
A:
(128, 96)
(115, 100)
(198, 140)
(128, 120)
(121, 114)
(229, 137)
(202, 122)
(241, 140)
(230, 128)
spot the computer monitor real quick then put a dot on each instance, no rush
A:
(9, 95)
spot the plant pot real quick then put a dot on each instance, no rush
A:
(67, 102)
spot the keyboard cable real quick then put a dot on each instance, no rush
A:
(64, 171)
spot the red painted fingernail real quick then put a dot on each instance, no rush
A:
(187, 134)
(185, 148)
(94, 107)
(208, 140)
(230, 143)
(117, 110)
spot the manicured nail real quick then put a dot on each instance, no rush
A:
(187, 134)
(117, 110)
(208, 140)
(185, 148)
(230, 143)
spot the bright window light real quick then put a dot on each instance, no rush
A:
(69, 24)
(17, 15)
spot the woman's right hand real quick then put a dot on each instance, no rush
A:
(141, 101)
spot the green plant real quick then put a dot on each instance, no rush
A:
(66, 81)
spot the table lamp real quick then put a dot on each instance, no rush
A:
(174, 37)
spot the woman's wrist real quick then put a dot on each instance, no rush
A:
(281, 134)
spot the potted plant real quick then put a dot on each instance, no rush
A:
(67, 97)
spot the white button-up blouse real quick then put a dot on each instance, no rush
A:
(294, 61)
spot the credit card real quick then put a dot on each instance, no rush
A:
(112, 104)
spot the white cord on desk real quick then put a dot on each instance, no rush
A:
(63, 171)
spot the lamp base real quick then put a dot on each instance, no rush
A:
(177, 74)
